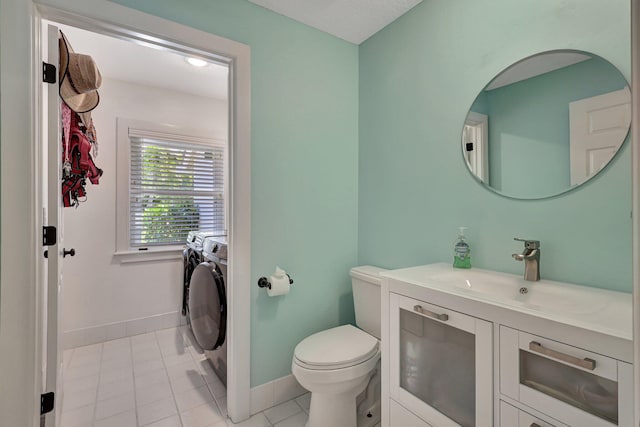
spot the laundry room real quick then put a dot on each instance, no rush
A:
(109, 288)
(160, 123)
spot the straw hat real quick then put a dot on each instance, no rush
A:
(79, 78)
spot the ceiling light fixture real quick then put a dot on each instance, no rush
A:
(196, 62)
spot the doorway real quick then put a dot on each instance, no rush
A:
(236, 58)
(127, 350)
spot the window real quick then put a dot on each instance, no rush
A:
(174, 183)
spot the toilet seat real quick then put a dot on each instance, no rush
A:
(336, 348)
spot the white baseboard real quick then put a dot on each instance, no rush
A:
(274, 393)
(112, 331)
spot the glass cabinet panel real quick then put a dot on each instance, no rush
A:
(591, 393)
(437, 365)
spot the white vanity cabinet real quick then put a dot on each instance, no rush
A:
(470, 348)
(441, 365)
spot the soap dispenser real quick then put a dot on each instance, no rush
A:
(461, 251)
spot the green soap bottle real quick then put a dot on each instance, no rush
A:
(461, 251)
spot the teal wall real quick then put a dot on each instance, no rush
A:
(418, 77)
(529, 126)
(356, 153)
(304, 126)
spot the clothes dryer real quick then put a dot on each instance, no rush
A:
(208, 312)
(191, 258)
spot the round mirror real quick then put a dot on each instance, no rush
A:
(547, 124)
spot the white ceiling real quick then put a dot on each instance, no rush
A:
(351, 20)
(134, 63)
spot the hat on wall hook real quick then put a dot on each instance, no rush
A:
(79, 78)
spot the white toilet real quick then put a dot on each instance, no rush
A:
(337, 364)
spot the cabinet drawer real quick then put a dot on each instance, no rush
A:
(399, 416)
(573, 385)
(510, 416)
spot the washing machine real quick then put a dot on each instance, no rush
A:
(208, 304)
(191, 258)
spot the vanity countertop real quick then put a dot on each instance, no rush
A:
(555, 309)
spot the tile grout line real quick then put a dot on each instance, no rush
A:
(173, 395)
(133, 378)
(290, 416)
(95, 400)
(113, 381)
(201, 372)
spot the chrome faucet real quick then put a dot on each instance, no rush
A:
(531, 258)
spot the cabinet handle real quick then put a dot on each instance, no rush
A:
(535, 425)
(419, 309)
(585, 363)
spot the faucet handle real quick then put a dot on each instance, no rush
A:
(529, 244)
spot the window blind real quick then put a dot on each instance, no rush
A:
(175, 187)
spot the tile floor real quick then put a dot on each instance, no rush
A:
(158, 380)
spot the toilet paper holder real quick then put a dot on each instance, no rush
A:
(263, 282)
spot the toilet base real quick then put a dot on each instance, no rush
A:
(335, 410)
(369, 418)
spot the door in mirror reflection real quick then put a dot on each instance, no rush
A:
(475, 137)
(551, 122)
(597, 127)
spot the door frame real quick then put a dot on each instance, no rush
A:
(481, 148)
(635, 198)
(22, 298)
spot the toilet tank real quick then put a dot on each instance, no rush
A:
(365, 282)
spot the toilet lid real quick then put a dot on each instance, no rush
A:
(342, 346)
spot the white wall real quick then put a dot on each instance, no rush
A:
(98, 289)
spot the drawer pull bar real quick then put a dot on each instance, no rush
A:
(534, 425)
(585, 363)
(419, 309)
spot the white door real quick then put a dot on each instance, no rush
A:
(475, 144)
(598, 126)
(53, 369)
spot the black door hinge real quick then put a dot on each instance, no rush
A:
(47, 402)
(49, 235)
(48, 73)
